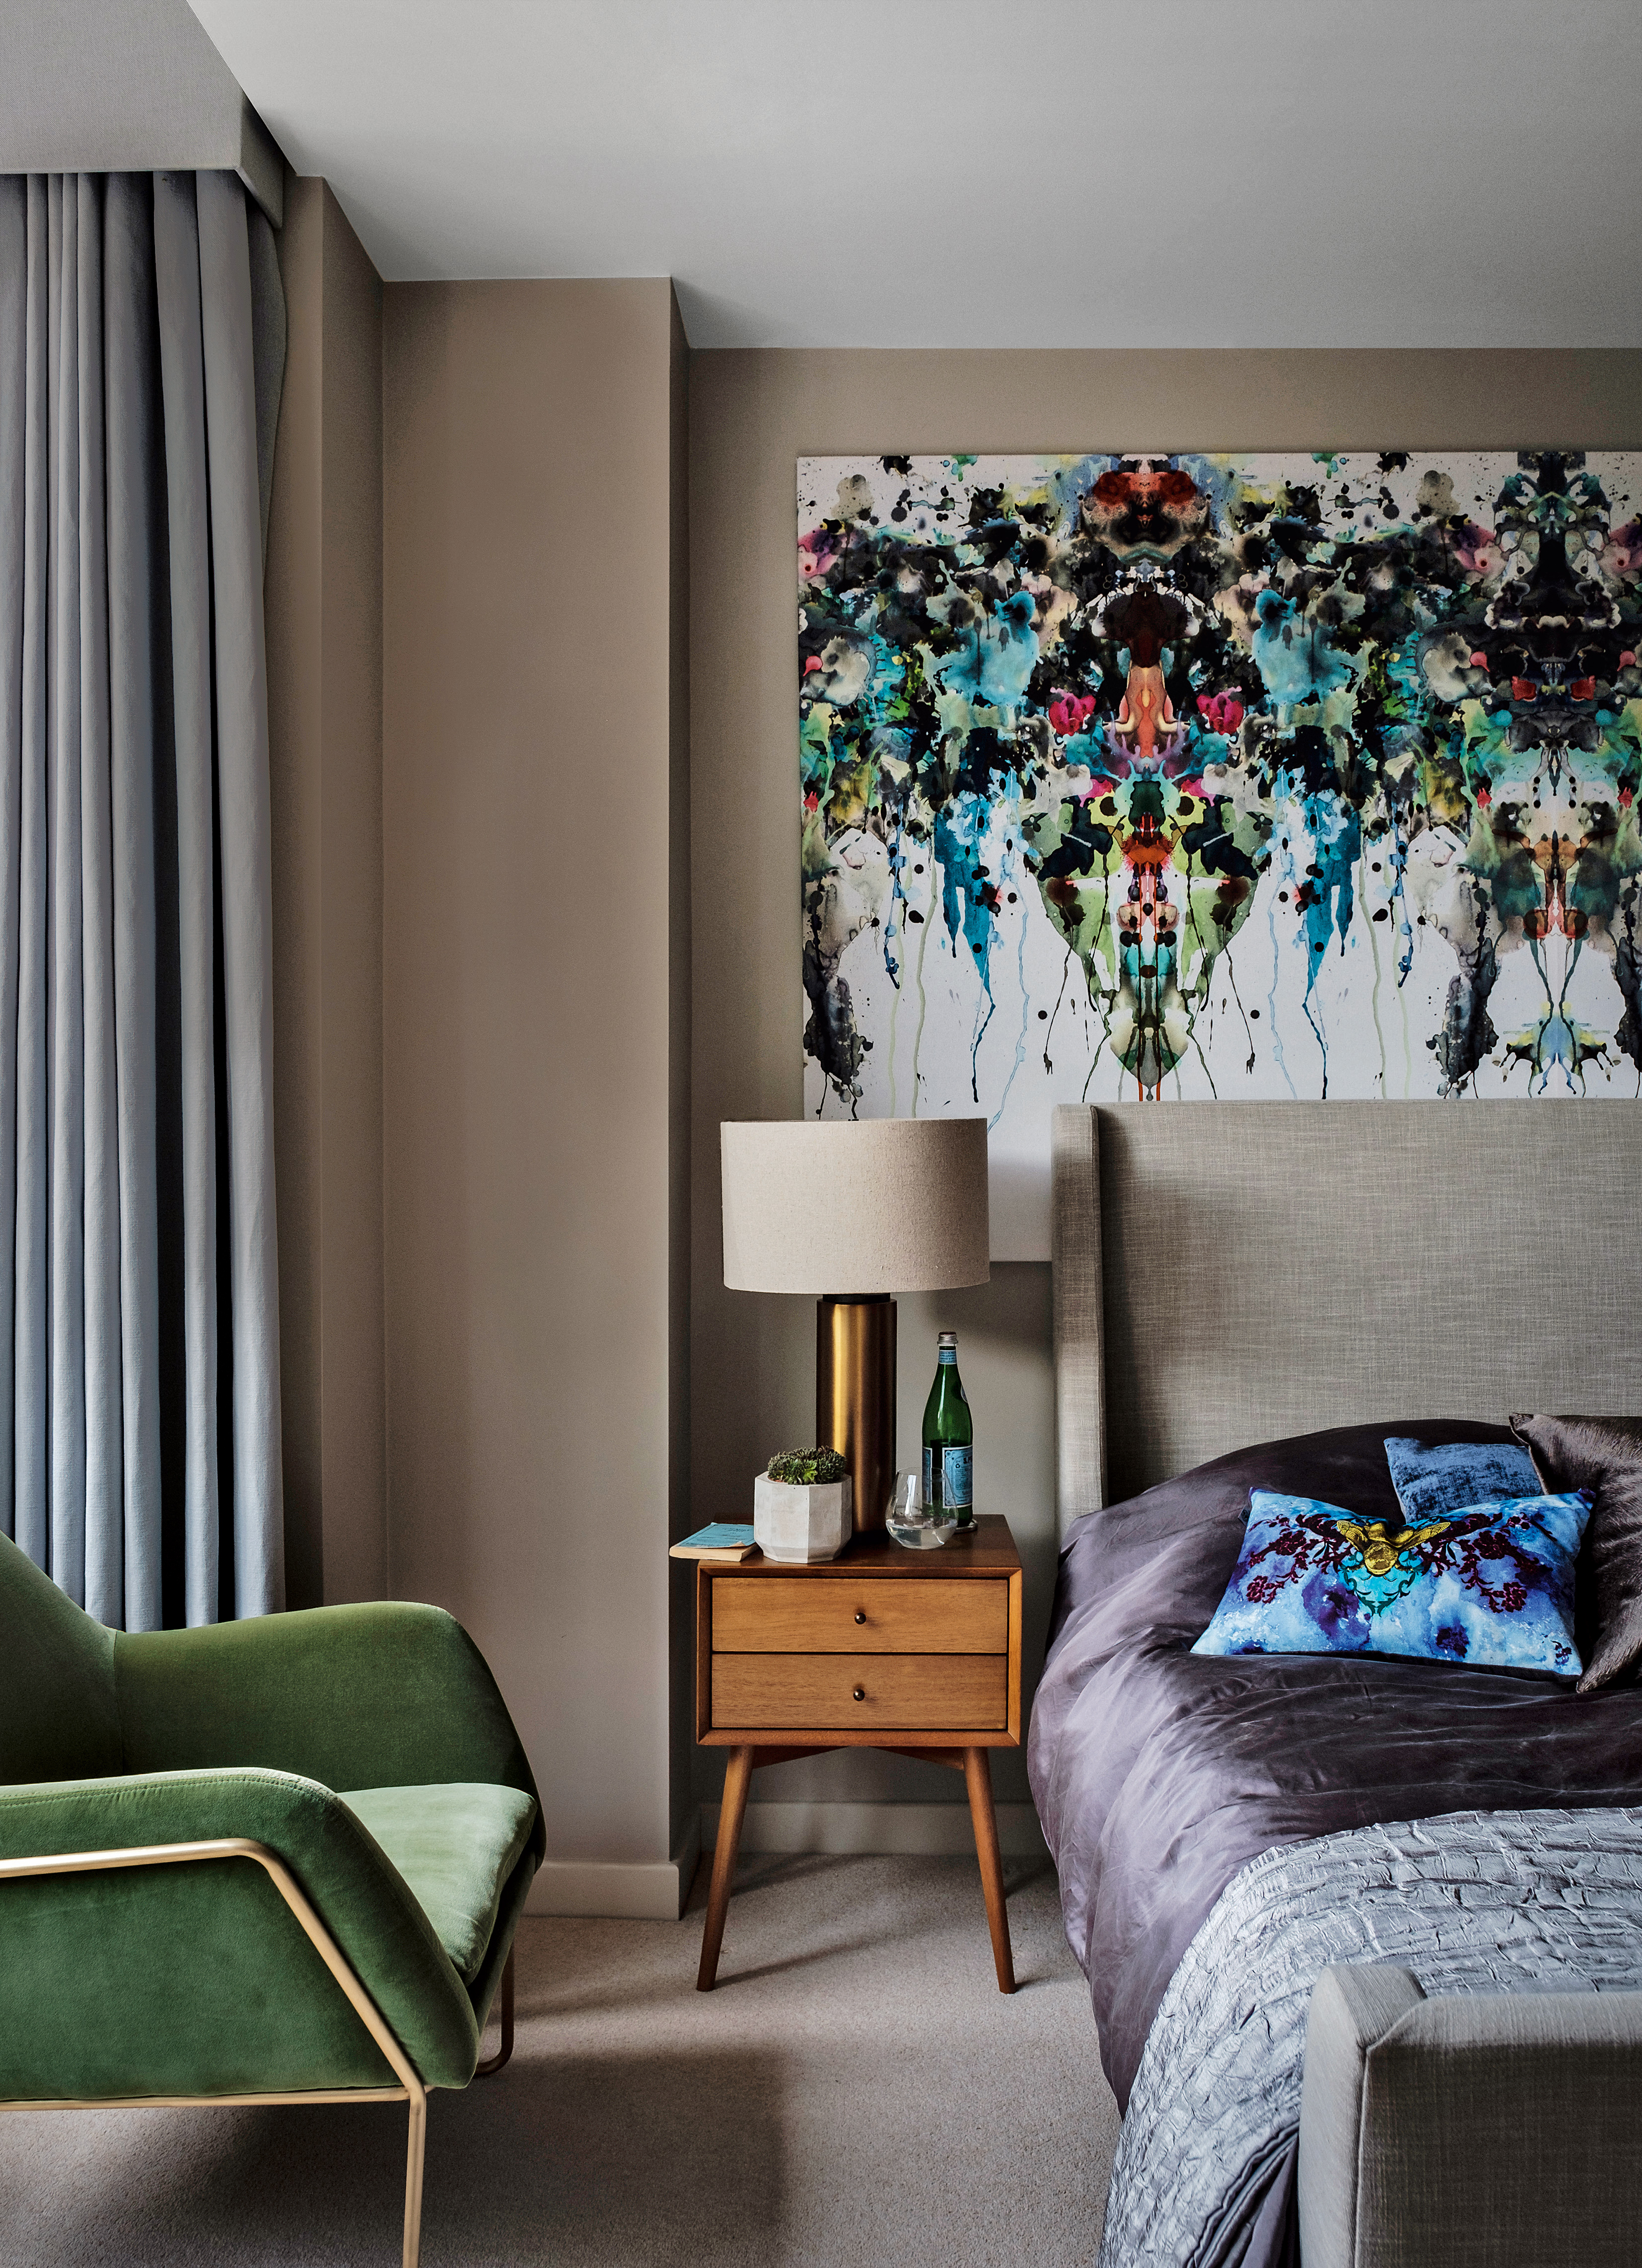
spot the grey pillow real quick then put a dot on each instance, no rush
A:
(1604, 1455)
(1433, 1478)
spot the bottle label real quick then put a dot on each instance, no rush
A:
(952, 1485)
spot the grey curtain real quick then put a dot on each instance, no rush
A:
(139, 1349)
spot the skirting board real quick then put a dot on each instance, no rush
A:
(615, 1891)
(934, 1830)
(657, 1890)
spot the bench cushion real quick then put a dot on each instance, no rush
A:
(455, 1843)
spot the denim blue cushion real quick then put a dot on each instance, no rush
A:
(1433, 1478)
(1491, 1585)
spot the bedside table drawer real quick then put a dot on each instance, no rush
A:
(795, 1614)
(765, 1691)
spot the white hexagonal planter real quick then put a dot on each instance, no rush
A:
(802, 1524)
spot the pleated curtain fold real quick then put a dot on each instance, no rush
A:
(139, 1349)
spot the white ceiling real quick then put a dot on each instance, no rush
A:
(991, 172)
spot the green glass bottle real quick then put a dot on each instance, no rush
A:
(949, 1439)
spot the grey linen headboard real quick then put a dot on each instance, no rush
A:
(1230, 1272)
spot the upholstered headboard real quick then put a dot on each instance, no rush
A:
(1228, 1272)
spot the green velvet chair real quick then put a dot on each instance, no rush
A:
(268, 1861)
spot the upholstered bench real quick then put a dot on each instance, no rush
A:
(1469, 2129)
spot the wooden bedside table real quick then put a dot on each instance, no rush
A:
(915, 1652)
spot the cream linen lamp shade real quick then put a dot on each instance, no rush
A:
(855, 1206)
(854, 1210)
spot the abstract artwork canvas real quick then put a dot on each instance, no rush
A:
(1202, 776)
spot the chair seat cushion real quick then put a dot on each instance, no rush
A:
(455, 1843)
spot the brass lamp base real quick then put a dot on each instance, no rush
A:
(855, 1395)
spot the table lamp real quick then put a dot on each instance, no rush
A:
(854, 1210)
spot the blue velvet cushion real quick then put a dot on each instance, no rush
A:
(1491, 1586)
(1433, 1478)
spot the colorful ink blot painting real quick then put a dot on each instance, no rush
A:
(1129, 776)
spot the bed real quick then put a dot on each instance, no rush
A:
(1314, 1275)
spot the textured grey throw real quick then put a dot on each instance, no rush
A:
(1545, 1901)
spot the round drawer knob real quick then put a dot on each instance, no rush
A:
(860, 1615)
(860, 1693)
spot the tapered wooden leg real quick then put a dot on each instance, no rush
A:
(737, 1779)
(978, 1779)
(484, 2069)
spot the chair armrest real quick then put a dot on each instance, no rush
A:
(1469, 2127)
(388, 1695)
(197, 1978)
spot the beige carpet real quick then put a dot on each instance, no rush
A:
(856, 2091)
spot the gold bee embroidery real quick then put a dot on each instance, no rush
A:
(1378, 1566)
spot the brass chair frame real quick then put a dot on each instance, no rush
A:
(410, 2090)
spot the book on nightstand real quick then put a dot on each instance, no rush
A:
(724, 1539)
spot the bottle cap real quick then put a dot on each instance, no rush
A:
(947, 1338)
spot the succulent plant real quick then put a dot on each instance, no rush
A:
(806, 1467)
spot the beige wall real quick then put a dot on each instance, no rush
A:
(751, 414)
(324, 607)
(535, 1024)
(682, 1620)
(588, 718)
